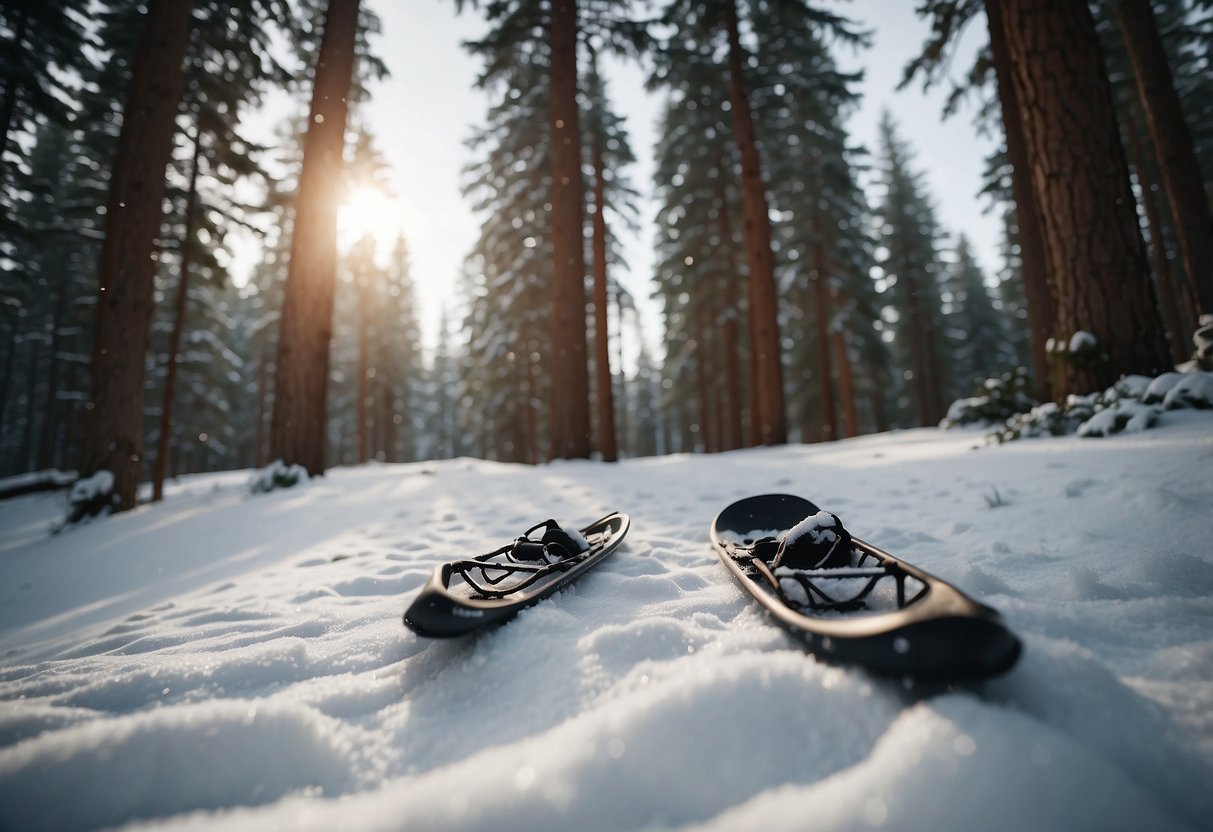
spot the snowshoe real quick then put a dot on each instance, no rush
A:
(473, 593)
(851, 602)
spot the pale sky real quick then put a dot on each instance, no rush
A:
(424, 112)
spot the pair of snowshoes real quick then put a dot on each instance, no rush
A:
(846, 600)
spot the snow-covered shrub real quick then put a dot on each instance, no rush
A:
(1131, 404)
(1124, 416)
(1175, 391)
(1202, 339)
(91, 496)
(277, 475)
(996, 401)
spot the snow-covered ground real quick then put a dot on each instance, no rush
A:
(231, 661)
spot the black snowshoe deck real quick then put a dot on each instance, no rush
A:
(474, 593)
(870, 608)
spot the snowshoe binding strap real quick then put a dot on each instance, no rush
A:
(553, 546)
(817, 542)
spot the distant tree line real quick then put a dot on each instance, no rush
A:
(807, 289)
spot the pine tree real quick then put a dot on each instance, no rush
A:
(298, 434)
(993, 65)
(1175, 150)
(1092, 242)
(910, 272)
(43, 47)
(981, 350)
(699, 272)
(609, 155)
(825, 254)
(113, 439)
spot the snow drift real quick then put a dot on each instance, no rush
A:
(234, 661)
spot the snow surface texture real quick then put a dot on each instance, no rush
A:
(233, 661)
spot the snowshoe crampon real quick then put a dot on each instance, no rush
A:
(470, 594)
(851, 602)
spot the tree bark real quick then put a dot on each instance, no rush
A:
(730, 435)
(825, 363)
(846, 386)
(113, 438)
(570, 391)
(183, 290)
(1180, 334)
(364, 354)
(1093, 246)
(604, 397)
(701, 381)
(767, 399)
(302, 368)
(1033, 270)
(1181, 173)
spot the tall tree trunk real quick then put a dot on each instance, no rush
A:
(767, 399)
(825, 362)
(302, 368)
(183, 294)
(730, 436)
(364, 356)
(1181, 173)
(570, 389)
(25, 459)
(113, 438)
(604, 397)
(263, 364)
(701, 380)
(7, 386)
(1093, 246)
(1180, 334)
(1033, 270)
(387, 397)
(846, 386)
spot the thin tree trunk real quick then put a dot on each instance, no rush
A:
(604, 398)
(263, 364)
(25, 459)
(302, 367)
(50, 427)
(1180, 336)
(183, 294)
(1093, 245)
(113, 439)
(1181, 173)
(623, 428)
(1033, 269)
(530, 418)
(570, 390)
(767, 399)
